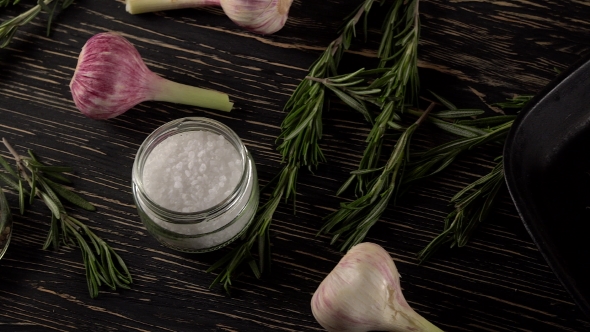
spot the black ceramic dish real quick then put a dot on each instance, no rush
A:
(547, 168)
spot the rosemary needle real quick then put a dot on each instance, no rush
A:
(5, 3)
(102, 264)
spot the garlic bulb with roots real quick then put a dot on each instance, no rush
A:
(363, 293)
(259, 16)
(111, 77)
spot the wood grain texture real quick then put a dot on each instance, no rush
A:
(474, 53)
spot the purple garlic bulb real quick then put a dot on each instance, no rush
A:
(111, 77)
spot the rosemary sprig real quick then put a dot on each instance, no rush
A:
(354, 220)
(473, 132)
(257, 232)
(301, 131)
(9, 28)
(471, 206)
(472, 203)
(435, 160)
(102, 264)
(397, 84)
(354, 90)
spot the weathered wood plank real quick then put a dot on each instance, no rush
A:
(474, 53)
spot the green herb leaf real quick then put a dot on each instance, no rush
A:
(457, 113)
(43, 168)
(70, 196)
(450, 106)
(51, 205)
(33, 187)
(21, 197)
(53, 234)
(7, 167)
(9, 181)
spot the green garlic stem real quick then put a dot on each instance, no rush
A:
(424, 325)
(148, 6)
(174, 92)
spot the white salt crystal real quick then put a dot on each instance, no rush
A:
(172, 171)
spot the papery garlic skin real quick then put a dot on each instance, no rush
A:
(110, 77)
(259, 16)
(363, 293)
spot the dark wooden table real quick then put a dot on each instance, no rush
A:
(475, 53)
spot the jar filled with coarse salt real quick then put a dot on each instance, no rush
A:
(195, 185)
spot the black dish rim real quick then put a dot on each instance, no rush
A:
(523, 207)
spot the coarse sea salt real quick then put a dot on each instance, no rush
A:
(192, 171)
(195, 185)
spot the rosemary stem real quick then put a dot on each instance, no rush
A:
(17, 159)
(317, 79)
(33, 11)
(424, 115)
(338, 41)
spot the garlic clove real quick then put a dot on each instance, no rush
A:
(363, 293)
(111, 77)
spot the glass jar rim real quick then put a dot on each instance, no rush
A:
(179, 126)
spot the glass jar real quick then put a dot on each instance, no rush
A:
(213, 227)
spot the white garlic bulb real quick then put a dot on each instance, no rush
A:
(260, 16)
(363, 293)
